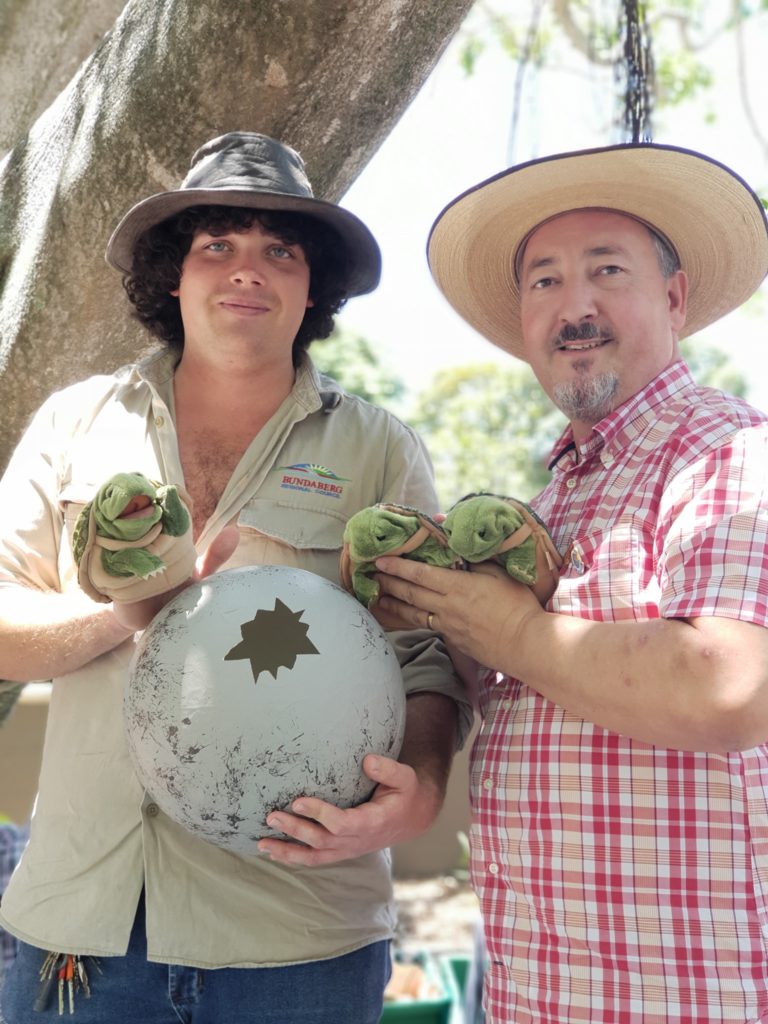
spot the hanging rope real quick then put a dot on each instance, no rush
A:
(523, 62)
(634, 72)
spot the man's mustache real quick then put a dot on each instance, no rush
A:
(586, 331)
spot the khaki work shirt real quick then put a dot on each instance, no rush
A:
(96, 837)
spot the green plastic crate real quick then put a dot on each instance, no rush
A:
(443, 1008)
(458, 964)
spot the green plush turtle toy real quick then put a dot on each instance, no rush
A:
(389, 529)
(134, 540)
(488, 527)
(479, 528)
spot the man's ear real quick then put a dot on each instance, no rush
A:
(677, 298)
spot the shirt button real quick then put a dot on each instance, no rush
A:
(507, 705)
(152, 810)
(493, 869)
(608, 458)
(570, 483)
(488, 784)
(159, 421)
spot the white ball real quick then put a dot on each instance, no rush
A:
(256, 686)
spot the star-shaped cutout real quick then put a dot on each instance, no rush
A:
(272, 640)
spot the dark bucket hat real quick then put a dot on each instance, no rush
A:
(251, 170)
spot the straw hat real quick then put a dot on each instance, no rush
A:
(255, 171)
(711, 217)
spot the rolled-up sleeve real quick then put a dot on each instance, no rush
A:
(423, 657)
(30, 518)
(713, 534)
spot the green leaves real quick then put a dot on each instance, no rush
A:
(488, 428)
(351, 361)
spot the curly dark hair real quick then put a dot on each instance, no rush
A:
(159, 254)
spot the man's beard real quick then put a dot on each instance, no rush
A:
(591, 397)
(587, 400)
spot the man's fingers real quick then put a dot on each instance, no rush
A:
(490, 569)
(325, 814)
(308, 841)
(298, 856)
(401, 603)
(389, 619)
(310, 820)
(403, 590)
(428, 577)
(298, 829)
(387, 772)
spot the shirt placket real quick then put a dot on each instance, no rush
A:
(250, 472)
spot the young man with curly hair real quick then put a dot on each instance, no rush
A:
(237, 271)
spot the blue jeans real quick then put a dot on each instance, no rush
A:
(344, 990)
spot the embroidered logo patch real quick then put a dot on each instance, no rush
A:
(309, 476)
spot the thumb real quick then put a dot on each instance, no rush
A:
(219, 551)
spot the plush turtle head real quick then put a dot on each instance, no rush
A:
(389, 530)
(126, 506)
(376, 530)
(478, 524)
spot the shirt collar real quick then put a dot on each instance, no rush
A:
(311, 390)
(158, 367)
(623, 425)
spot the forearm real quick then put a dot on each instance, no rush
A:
(43, 635)
(430, 740)
(687, 685)
(691, 685)
(468, 670)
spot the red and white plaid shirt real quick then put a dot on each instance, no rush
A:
(623, 883)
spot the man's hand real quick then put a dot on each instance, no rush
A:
(401, 807)
(477, 612)
(137, 615)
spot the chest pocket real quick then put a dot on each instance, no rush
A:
(72, 500)
(301, 536)
(608, 575)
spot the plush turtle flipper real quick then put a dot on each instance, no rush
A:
(364, 586)
(547, 559)
(175, 519)
(80, 532)
(131, 562)
(345, 569)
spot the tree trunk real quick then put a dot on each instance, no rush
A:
(329, 77)
(42, 44)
